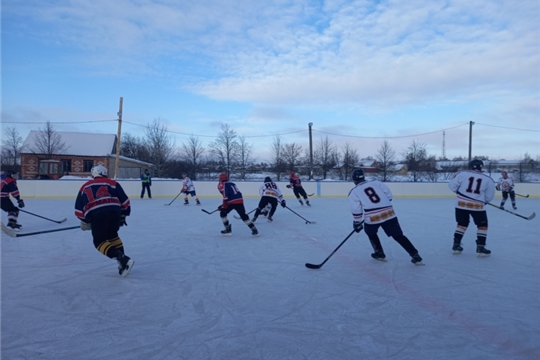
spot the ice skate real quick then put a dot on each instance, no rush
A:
(481, 251)
(269, 219)
(379, 255)
(12, 224)
(198, 202)
(186, 202)
(515, 208)
(301, 202)
(417, 260)
(126, 264)
(457, 249)
(307, 203)
(254, 232)
(227, 231)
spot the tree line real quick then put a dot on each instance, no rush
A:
(233, 154)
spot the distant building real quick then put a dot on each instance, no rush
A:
(82, 152)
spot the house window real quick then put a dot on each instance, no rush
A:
(88, 165)
(66, 165)
(53, 168)
(43, 168)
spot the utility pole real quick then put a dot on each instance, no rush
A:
(118, 138)
(310, 152)
(471, 123)
(444, 145)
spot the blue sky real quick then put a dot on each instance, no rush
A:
(360, 71)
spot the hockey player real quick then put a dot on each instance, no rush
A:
(473, 190)
(146, 182)
(232, 200)
(102, 206)
(188, 189)
(506, 185)
(270, 195)
(9, 187)
(296, 184)
(371, 202)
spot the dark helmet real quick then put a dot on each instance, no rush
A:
(223, 177)
(267, 179)
(476, 164)
(358, 175)
(10, 173)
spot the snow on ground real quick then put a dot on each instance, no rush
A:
(194, 294)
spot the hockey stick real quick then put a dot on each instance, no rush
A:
(307, 221)
(318, 266)
(525, 196)
(508, 211)
(209, 212)
(173, 200)
(39, 216)
(310, 195)
(239, 218)
(14, 234)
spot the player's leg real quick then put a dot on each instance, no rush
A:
(462, 219)
(481, 221)
(505, 197)
(241, 210)
(513, 199)
(371, 232)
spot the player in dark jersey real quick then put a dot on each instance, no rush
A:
(296, 184)
(9, 187)
(232, 200)
(102, 206)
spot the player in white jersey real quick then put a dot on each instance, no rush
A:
(371, 204)
(270, 195)
(474, 190)
(506, 185)
(188, 189)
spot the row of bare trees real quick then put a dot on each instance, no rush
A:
(233, 154)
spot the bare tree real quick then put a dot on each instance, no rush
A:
(48, 142)
(385, 157)
(225, 148)
(277, 162)
(291, 155)
(160, 146)
(192, 153)
(414, 155)
(11, 149)
(245, 158)
(350, 160)
(134, 148)
(325, 155)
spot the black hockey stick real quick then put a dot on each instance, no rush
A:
(310, 195)
(525, 196)
(307, 221)
(498, 207)
(39, 216)
(14, 234)
(173, 200)
(239, 218)
(318, 266)
(209, 212)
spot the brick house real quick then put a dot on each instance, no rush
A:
(82, 152)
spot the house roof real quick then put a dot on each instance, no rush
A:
(81, 144)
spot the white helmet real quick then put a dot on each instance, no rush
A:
(99, 170)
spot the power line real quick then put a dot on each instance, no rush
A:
(388, 137)
(56, 122)
(505, 127)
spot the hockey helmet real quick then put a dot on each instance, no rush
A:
(10, 173)
(267, 179)
(292, 173)
(223, 177)
(99, 170)
(476, 164)
(358, 176)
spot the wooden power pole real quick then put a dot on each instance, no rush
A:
(118, 138)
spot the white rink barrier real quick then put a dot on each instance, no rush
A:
(208, 189)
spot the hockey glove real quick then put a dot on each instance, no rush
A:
(288, 186)
(123, 220)
(21, 203)
(358, 226)
(85, 226)
(498, 188)
(283, 203)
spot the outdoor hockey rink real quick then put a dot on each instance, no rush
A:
(194, 294)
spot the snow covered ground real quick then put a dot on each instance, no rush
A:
(194, 294)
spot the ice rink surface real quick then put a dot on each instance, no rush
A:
(194, 294)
